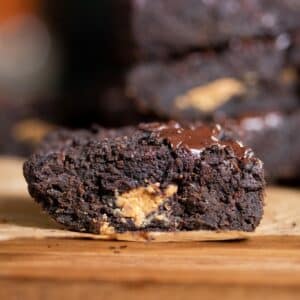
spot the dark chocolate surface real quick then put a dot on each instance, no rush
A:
(195, 137)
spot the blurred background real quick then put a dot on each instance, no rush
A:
(117, 63)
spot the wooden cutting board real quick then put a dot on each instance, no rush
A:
(267, 264)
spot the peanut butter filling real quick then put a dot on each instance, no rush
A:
(106, 228)
(31, 130)
(210, 96)
(138, 203)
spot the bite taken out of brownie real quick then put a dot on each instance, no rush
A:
(157, 177)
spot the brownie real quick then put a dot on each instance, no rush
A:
(179, 45)
(121, 31)
(155, 177)
(274, 137)
(60, 138)
(247, 75)
(171, 27)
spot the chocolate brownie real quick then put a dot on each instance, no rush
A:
(168, 27)
(60, 138)
(107, 32)
(159, 177)
(275, 139)
(248, 75)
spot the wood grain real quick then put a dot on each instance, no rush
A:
(258, 266)
(266, 265)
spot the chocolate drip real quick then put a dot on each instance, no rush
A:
(195, 137)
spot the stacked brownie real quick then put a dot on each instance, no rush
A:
(247, 76)
(219, 76)
(219, 61)
(190, 50)
(143, 60)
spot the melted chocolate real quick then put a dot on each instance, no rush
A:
(195, 137)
